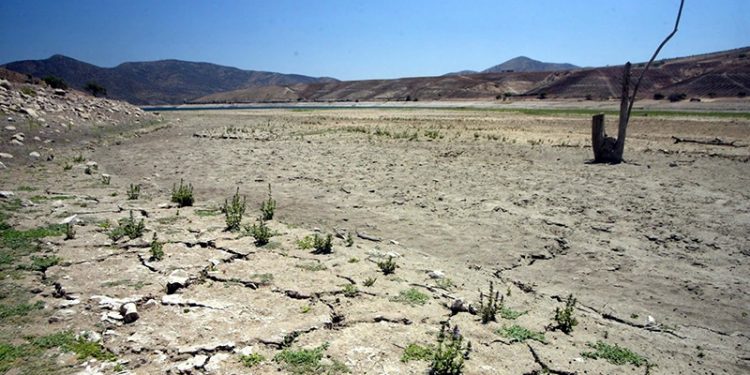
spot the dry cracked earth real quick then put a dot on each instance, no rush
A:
(655, 250)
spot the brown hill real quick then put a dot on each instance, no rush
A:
(720, 74)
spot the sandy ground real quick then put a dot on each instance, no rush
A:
(656, 250)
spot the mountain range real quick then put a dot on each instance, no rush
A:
(718, 74)
(156, 82)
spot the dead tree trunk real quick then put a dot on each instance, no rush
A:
(608, 149)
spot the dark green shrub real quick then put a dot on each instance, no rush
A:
(268, 207)
(488, 311)
(387, 266)
(233, 211)
(157, 249)
(450, 352)
(323, 245)
(564, 320)
(55, 82)
(260, 232)
(95, 89)
(134, 191)
(183, 194)
(658, 96)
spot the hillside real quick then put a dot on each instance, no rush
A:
(525, 64)
(720, 74)
(156, 82)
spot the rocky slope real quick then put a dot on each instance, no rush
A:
(36, 119)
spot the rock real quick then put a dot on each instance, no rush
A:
(10, 127)
(62, 315)
(247, 350)
(35, 155)
(149, 304)
(18, 136)
(90, 336)
(16, 142)
(436, 274)
(5, 156)
(214, 364)
(3, 166)
(197, 362)
(5, 84)
(60, 92)
(6, 194)
(177, 279)
(32, 113)
(69, 303)
(69, 220)
(194, 349)
(92, 165)
(129, 312)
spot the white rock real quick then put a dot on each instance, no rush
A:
(436, 274)
(10, 127)
(245, 351)
(129, 312)
(69, 220)
(6, 194)
(176, 280)
(34, 155)
(4, 155)
(3, 166)
(214, 364)
(29, 112)
(69, 303)
(16, 142)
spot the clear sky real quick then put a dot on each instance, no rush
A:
(361, 39)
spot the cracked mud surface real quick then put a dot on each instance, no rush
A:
(666, 235)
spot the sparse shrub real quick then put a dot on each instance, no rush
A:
(134, 191)
(157, 249)
(350, 290)
(711, 95)
(349, 240)
(70, 231)
(250, 360)
(233, 211)
(589, 97)
(67, 166)
(412, 297)
(106, 179)
(370, 281)
(432, 134)
(450, 352)
(615, 354)
(741, 94)
(387, 266)
(676, 97)
(260, 232)
(183, 194)
(488, 311)
(444, 283)
(658, 96)
(41, 264)
(323, 245)
(28, 91)
(308, 361)
(95, 89)
(268, 207)
(542, 96)
(563, 318)
(128, 227)
(79, 158)
(55, 82)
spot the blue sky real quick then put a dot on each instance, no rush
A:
(360, 39)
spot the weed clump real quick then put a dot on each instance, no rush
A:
(387, 266)
(615, 354)
(268, 207)
(450, 352)
(183, 194)
(128, 227)
(233, 211)
(350, 290)
(70, 231)
(306, 242)
(157, 249)
(488, 311)
(370, 281)
(416, 352)
(564, 320)
(308, 361)
(134, 191)
(260, 232)
(323, 245)
(412, 297)
(517, 333)
(250, 360)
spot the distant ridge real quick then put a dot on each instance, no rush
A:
(525, 64)
(157, 82)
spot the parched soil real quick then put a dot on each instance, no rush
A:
(655, 250)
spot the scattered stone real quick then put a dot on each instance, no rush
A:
(92, 164)
(69, 303)
(16, 142)
(35, 155)
(178, 279)
(62, 315)
(6, 194)
(3, 166)
(436, 274)
(69, 220)
(194, 349)
(214, 364)
(197, 362)
(4, 155)
(60, 92)
(247, 350)
(129, 312)
(10, 127)
(29, 112)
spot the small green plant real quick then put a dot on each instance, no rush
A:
(106, 179)
(416, 352)
(134, 191)
(412, 297)
(350, 290)
(305, 309)
(70, 231)
(157, 249)
(206, 212)
(183, 194)
(28, 91)
(370, 281)
(67, 166)
(79, 158)
(260, 232)
(564, 320)
(308, 361)
(128, 227)
(450, 352)
(517, 333)
(268, 207)
(432, 134)
(322, 245)
(306, 242)
(387, 266)
(41, 264)
(313, 267)
(488, 311)
(615, 354)
(510, 314)
(349, 240)
(250, 360)
(233, 211)
(353, 260)
(444, 283)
